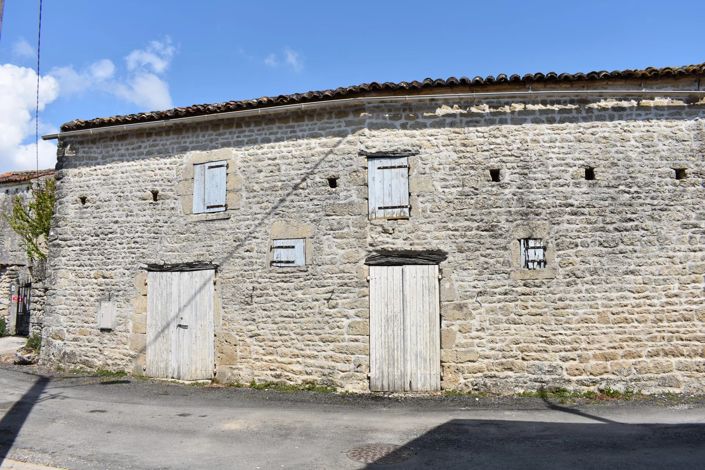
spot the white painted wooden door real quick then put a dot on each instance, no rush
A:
(180, 332)
(405, 351)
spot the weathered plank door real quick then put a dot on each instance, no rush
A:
(405, 352)
(180, 332)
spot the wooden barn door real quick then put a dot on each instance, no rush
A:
(180, 332)
(405, 352)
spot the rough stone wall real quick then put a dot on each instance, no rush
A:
(8, 275)
(623, 307)
(14, 266)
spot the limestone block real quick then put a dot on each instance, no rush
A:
(141, 283)
(448, 337)
(467, 355)
(456, 311)
(359, 328)
(139, 304)
(138, 342)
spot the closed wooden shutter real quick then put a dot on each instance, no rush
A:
(215, 191)
(404, 328)
(210, 187)
(388, 187)
(180, 325)
(199, 189)
(289, 252)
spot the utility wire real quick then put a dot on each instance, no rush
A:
(36, 109)
(2, 7)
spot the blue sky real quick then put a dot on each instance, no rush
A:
(103, 58)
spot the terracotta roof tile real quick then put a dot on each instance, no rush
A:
(374, 87)
(23, 176)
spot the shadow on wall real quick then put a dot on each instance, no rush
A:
(602, 444)
(260, 224)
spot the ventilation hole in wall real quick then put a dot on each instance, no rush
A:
(83, 200)
(681, 174)
(495, 175)
(155, 195)
(333, 182)
(589, 173)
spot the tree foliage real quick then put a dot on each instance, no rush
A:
(31, 218)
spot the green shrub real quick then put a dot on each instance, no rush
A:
(3, 327)
(34, 343)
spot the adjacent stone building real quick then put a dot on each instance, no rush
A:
(22, 293)
(492, 234)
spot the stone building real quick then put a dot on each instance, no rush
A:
(494, 234)
(21, 287)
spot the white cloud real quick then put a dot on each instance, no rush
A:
(142, 85)
(293, 59)
(72, 81)
(289, 58)
(155, 58)
(271, 60)
(102, 70)
(23, 50)
(18, 89)
(145, 90)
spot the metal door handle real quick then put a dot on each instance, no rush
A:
(181, 325)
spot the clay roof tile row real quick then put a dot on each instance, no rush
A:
(23, 176)
(374, 87)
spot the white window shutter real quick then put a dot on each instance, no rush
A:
(289, 252)
(388, 185)
(199, 189)
(215, 188)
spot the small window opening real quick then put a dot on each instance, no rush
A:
(155, 195)
(589, 173)
(83, 200)
(533, 253)
(495, 175)
(288, 252)
(333, 182)
(681, 174)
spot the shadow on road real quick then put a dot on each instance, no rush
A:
(496, 444)
(14, 419)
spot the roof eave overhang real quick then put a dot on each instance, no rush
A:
(270, 110)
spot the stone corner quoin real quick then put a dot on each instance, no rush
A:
(614, 296)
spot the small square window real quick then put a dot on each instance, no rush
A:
(589, 173)
(210, 187)
(495, 175)
(680, 173)
(289, 252)
(533, 253)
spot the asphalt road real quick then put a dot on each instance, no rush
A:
(104, 423)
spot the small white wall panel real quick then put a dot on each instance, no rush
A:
(107, 315)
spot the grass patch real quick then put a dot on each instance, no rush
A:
(34, 343)
(290, 388)
(564, 395)
(462, 393)
(110, 373)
